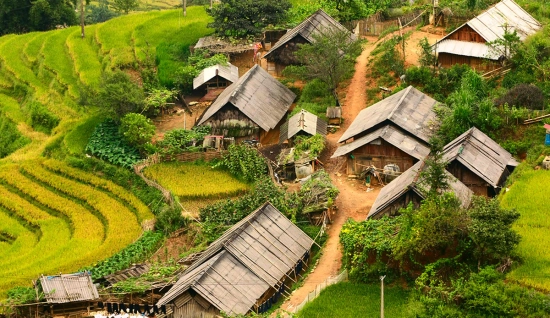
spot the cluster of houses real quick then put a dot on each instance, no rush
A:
(252, 264)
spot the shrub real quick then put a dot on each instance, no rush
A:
(10, 137)
(523, 95)
(244, 162)
(170, 219)
(21, 295)
(119, 95)
(181, 140)
(41, 119)
(137, 130)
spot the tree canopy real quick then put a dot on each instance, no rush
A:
(18, 16)
(244, 18)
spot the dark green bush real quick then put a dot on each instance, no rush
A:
(41, 119)
(10, 137)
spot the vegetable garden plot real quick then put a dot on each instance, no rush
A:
(191, 181)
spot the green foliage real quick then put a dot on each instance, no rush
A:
(136, 252)
(46, 14)
(119, 95)
(434, 176)
(468, 107)
(389, 57)
(313, 145)
(158, 100)
(196, 62)
(491, 230)
(427, 57)
(244, 162)
(21, 295)
(439, 85)
(318, 193)
(178, 141)
(315, 98)
(108, 144)
(523, 95)
(99, 13)
(330, 58)
(137, 130)
(243, 18)
(77, 139)
(124, 5)
(40, 118)
(158, 272)
(170, 219)
(10, 138)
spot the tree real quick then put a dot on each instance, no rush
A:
(124, 5)
(99, 13)
(137, 129)
(14, 16)
(330, 58)
(47, 14)
(158, 100)
(427, 56)
(119, 95)
(244, 18)
(434, 176)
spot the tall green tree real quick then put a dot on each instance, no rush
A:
(119, 95)
(40, 15)
(124, 5)
(330, 58)
(243, 18)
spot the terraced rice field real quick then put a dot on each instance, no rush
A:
(54, 218)
(529, 196)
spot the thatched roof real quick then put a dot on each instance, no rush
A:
(68, 288)
(257, 95)
(410, 109)
(302, 121)
(230, 72)
(481, 155)
(245, 262)
(316, 23)
(409, 181)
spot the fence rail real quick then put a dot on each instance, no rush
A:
(319, 288)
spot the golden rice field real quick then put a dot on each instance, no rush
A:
(530, 196)
(54, 219)
(189, 180)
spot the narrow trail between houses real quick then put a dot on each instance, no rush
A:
(353, 201)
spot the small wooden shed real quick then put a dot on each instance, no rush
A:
(395, 130)
(246, 270)
(479, 162)
(216, 76)
(334, 115)
(249, 108)
(282, 53)
(468, 43)
(303, 123)
(408, 188)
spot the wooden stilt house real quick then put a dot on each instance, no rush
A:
(246, 270)
(394, 131)
(408, 188)
(468, 43)
(282, 53)
(249, 108)
(479, 162)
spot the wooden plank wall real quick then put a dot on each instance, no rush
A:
(466, 33)
(401, 202)
(470, 179)
(379, 156)
(448, 60)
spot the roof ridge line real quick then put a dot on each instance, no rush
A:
(245, 78)
(407, 91)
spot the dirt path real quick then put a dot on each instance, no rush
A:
(354, 201)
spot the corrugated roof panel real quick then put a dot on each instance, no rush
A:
(230, 72)
(473, 49)
(68, 288)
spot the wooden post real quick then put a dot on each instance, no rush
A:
(382, 296)
(82, 18)
(184, 8)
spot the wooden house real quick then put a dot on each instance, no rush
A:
(408, 188)
(66, 295)
(215, 77)
(479, 162)
(249, 108)
(395, 130)
(282, 53)
(468, 43)
(303, 123)
(246, 270)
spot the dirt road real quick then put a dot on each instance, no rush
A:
(354, 201)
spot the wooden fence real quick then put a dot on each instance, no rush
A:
(194, 156)
(377, 24)
(315, 293)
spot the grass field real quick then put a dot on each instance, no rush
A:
(529, 195)
(190, 180)
(60, 219)
(352, 300)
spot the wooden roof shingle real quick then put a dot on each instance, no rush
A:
(256, 94)
(316, 23)
(410, 180)
(248, 259)
(481, 155)
(302, 121)
(409, 109)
